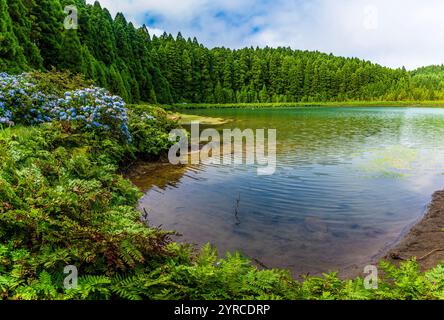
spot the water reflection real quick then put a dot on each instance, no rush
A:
(348, 182)
(157, 175)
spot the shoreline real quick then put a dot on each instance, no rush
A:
(425, 240)
(404, 104)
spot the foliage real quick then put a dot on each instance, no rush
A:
(57, 82)
(131, 63)
(149, 127)
(11, 53)
(62, 203)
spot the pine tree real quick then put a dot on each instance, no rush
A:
(187, 76)
(275, 74)
(88, 64)
(263, 95)
(256, 73)
(101, 39)
(71, 52)
(239, 73)
(116, 84)
(296, 81)
(22, 26)
(123, 45)
(47, 30)
(11, 54)
(218, 93)
(228, 72)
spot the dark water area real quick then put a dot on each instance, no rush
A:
(348, 183)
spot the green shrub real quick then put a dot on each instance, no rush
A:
(62, 203)
(149, 127)
(56, 83)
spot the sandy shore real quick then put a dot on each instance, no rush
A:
(425, 240)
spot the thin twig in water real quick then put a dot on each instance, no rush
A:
(261, 264)
(236, 210)
(145, 215)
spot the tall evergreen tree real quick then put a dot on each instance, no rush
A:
(11, 54)
(22, 26)
(47, 30)
(71, 56)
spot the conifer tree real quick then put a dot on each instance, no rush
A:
(11, 54)
(22, 26)
(71, 57)
(47, 30)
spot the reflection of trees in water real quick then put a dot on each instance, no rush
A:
(162, 175)
(328, 135)
(318, 135)
(326, 140)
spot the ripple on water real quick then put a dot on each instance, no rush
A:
(323, 209)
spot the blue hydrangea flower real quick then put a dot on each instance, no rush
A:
(89, 109)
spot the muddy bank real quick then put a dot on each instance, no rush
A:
(425, 240)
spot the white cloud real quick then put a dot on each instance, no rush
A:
(392, 33)
(137, 8)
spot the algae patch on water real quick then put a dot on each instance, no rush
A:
(390, 161)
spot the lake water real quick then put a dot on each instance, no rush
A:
(349, 182)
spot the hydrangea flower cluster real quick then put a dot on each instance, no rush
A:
(90, 109)
(15, 94)
(93, 108)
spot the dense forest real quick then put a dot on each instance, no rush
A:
(66, 211)
(166, 69)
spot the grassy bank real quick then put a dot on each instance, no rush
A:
(184, 106)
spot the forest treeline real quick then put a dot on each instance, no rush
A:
(139, 67)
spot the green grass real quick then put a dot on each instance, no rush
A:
(187, 119)
(309, 104)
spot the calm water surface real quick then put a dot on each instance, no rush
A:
(349, 182)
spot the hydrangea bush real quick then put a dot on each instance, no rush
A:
(92, 109)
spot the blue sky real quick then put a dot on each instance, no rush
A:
(394, 33)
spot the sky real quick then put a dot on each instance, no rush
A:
(393, 33)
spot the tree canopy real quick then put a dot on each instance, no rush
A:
(130, 62)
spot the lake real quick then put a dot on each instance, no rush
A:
(349, 182)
